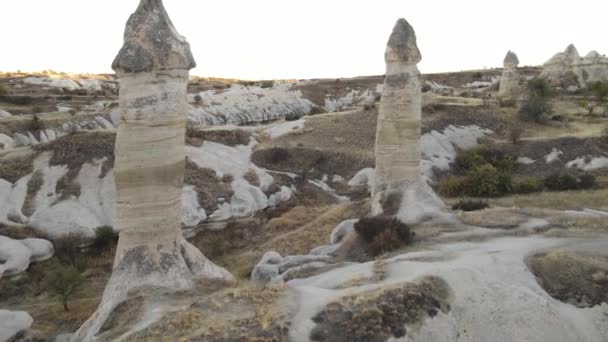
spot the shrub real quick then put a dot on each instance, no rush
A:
(452, 186)
(3, 91)
(534, 108)
(540, 87)
(426, 88)
(197, 98)
(105, 239)
(62, 282)
(478, 75)
(511, 103)
(479, 156)
(293, 116)
(36, 110)
(470, 205)
(267, 84)
(383, 234)
(515, 134)
(316, 110)
(600, 89)
(36, 124)
(68, 248)
(368, 107)
(488, 181)
(561, 182)
(528, 185)
(586, 181)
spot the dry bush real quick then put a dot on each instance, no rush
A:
(383, 234)
(382, 314)
(16, 167)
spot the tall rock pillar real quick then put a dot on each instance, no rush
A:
(509, 82)
(153, 67)
(398, 188)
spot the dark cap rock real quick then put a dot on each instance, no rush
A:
(401, 45)
(511, 60)
(152, 42)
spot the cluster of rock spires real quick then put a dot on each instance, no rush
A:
(569, 70)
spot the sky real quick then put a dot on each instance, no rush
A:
(287, 39)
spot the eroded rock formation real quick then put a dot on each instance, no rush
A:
(398, 187)
(569, 70)
(510, 80)
(149, 166)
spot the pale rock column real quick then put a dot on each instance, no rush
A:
(398, 187)
(153, 69)
(509, 82)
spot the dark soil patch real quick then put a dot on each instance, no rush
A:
(571, 277)
(33, 186)
(232, 137)
(76, 149)
(208, 186)
(318, 90)
(19, 233)
(16, 167)
(381, 314)
(311, 163)
(439, 117)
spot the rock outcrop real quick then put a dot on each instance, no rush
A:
(149, 166)
(14, 324)
(398, 182)
(510, 80)
(569, 70)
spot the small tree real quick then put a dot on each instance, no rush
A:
(600, 89)
(68, 248)
(62, 282)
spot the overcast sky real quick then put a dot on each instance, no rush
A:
(275, 39)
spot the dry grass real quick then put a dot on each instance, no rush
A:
(575, 278)
(356, 130)
(565, 200)
(16, 165)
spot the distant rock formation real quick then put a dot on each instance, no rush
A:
(510, 80)
(569, 70)
(149, 166)
(398, 187)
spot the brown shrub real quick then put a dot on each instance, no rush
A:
(383, 234)
(16, 167)
(33, 186)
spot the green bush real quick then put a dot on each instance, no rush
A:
(479, 156)
(383, 234)
(36, 124)
(540, 87)
(488, 181)
(528, 185)
(560, 182)
(105, 239)
(36, 109)
(600, 89)
(68, 248)
(534, 108)
(586, 181)
(62, 282)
